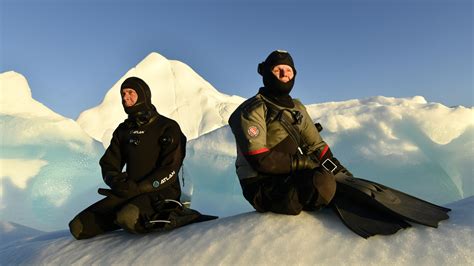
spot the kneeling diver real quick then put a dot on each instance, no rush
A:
(146, 196)
(284, 166)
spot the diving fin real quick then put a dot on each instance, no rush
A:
(369, 208)
(364, 220)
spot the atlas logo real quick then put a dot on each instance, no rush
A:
(168, 177)
(137, 132)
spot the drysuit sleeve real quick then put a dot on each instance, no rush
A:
(249, 128)
(169, 161)
(112, 161)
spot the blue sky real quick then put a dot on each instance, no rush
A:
(72, 52)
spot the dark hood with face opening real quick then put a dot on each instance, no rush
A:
(274, 88)
(143, 110)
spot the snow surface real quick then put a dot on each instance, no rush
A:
(259, 239)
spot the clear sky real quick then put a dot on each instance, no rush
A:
(73, 51)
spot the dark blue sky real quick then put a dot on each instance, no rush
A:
(72, 52)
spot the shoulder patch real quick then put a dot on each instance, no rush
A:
(253, 131)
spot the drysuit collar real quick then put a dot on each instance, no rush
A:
(283, 100)
(141, 118)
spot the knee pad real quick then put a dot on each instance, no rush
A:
(81, 227)
(76, 227)
(128, 218)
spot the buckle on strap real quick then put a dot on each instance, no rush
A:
(329, 165)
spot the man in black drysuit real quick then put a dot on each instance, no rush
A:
(152, 147)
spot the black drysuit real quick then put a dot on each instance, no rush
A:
(153, 154)
(151, 147)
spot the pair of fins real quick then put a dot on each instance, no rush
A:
(368, 208)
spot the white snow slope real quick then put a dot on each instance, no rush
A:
(48, 164)
(259, 239)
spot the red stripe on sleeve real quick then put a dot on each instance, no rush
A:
(255, 152)
(326, 148)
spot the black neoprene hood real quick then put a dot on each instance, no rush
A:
(144, 95)
(277, 57)
(270, 81)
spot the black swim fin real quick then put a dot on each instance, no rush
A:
(369, 208)
(365, 220)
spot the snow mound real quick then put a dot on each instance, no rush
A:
(46, 160)
(260, 239)
(450, 122)
(26, 121)
(17, 100)
(177, 92)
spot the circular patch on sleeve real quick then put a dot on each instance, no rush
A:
(156, 184)
(253, 131)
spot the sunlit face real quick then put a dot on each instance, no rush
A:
(284, 73)
(129, 97)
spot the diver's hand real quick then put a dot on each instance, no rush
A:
(112, 180)
(126, 189)
(303, 162)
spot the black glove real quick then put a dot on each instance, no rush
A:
(111, 180)
(126, 189)
(302, 162)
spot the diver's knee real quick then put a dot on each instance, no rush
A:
(80, 226)
(325, 184)
(76, 227)
(128, 218)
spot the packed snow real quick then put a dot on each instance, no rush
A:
(49, 172)
(259, 239)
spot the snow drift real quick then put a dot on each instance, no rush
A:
(259, 239)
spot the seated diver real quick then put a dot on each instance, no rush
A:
(284, 166)
(146, 196)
